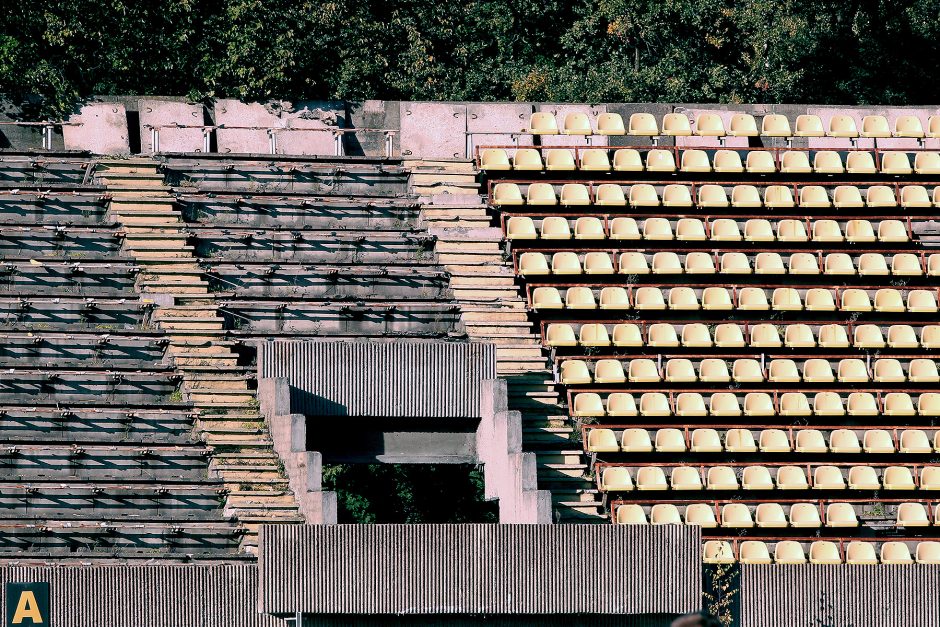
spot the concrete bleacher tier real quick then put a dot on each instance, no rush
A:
(745, 333)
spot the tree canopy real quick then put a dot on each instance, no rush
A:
(56, 52)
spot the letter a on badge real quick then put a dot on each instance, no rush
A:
(27, 607)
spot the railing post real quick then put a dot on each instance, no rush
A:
(206, 142)
(47, 132)
(388, 145)
(337, 144)
(272, 141)
(154, 140)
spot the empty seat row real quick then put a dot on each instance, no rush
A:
(886, 300)
(723, 161)
(740, 440)
(740, 125)
(821, 552)
(837, 264)
(742, 516)
(731, 335)
(695, 230)
(689, 478)
(748, 370)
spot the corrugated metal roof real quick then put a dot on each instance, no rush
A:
(840, 595)
(147, 596)
(399, 379)
(480, 569)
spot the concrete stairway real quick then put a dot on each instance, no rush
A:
(493, 309)
(228, 419)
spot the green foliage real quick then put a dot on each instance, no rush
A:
(387, 493)
(813, 51)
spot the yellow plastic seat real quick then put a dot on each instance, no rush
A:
(736, 516)
(908, 126)
(598, 263)
(683, 299)
(575, 194)
(770, 515)
(752, 299)
(574, 372)
(695, 161)
(844, 441)
(745, 197)
(730, 335)
(775, 125)
(658, 160)
(593, 335)
(847, 196)
(760, 162)
(588, 404)
(651, 478)
(790, 230)
(921, 301)
(868, 336)
(690, 404)
(824, 552)
(624, 228)
(580, 298)
(602, 441)
(819, 299)
(654, 404)
(765, 335)
(769, 263)
(747, 370)
(666, 263)
(930, 478)
(700, 514)
(926, 163)
(695, 335)
(610, 195)
(786, 299)
(543, 123)
(809, 126)
(827, 162)
(923, 371)
(616, 479)
(533, 264)
(594, 160)
(643, 371)
(833, 336)
(735, 263)
(789, 552)
(555, 227)
(520, 227)
(633, 263)
(698, 262)
(927, 552)
(896, 163)
(609, 371)
(541, 194)
(627, 160)
(878, 441)
(799, 336)
(839, 264)
(860, 553)
(621, 404)
(643, 124)
(828, 478)
(708, 441)
(588, 227)
(875, 126)
(643, 195)
(576, 124)
(791, 478)
(855, 300)
(863, 478)
(676, 196)
(808, 440)
(860, 162)
(827, 231)
(930, 336)
(899, 404)
(840, 515)
(662, 335)
(754, 551)
(649, 298)
(631, 514)
(804, 516)
(727, 162)
(725, 230)
(859, 231)
(911, 515)
(828, 404)
(772, 440)
(861, 403)
(527, 159)
(758, 230)
(756, 477)
(794, 404)
(724, 404)
(915, 196)
(560, 335)
(902, 336)
(566, 263)
(690, 229)
(889, 300)
(717, 552)
(676, 125)
(914, 441)
(546, 298)
(933, 265)
(743, 125)
(814, 197)
(680, 370)
(710, 196)
(492, 159)
(668, 440)
(709, 125)
(611, 124)
(740, 441)
(804, 263)
(880, 196)
(795, 162)
(888, 371)
(559, 160)
(636, 441)
(872, 264)
(841, 125)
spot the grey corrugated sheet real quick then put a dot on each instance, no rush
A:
(147, 596)
(840, 596)
(401, 379)
(480, 569)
